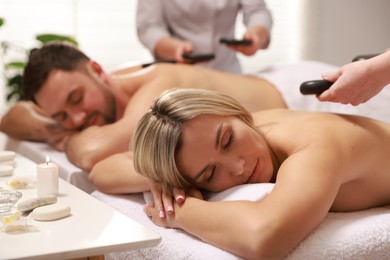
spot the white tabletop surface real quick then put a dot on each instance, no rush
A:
(93, 228)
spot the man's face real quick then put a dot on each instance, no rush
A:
(77, 99)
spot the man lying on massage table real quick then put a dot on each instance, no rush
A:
(91, 115)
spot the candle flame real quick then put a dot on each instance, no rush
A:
(47, 159)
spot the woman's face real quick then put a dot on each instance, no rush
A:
(220, 152)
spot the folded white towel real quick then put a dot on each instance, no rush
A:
(355, 235)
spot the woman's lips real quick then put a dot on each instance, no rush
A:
(255, 174)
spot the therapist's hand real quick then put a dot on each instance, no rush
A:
(354, 83)
(170, 48)
(260, 39)
(181, 48)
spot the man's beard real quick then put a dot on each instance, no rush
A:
(110, 109)
(110, 116)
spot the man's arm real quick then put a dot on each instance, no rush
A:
(25, 120)
(88, 147)
(116, 175)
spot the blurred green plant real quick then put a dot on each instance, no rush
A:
(13, 68)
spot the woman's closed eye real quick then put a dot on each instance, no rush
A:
(211, 176)
(228, 139)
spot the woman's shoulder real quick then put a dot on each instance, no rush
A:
(281, 114)
(287, 122)
(324, 124)
(293, 115)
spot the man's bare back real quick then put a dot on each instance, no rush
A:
(132, 92)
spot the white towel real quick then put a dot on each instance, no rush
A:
(355, 235)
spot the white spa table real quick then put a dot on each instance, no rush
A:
(37, 152)
(92, 229)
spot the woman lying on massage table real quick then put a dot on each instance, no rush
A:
(319, 162)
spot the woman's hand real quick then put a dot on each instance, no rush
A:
(154, 214)
(164, 199)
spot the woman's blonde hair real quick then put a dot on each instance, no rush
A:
(158, 135)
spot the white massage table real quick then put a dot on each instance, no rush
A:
(357, 235)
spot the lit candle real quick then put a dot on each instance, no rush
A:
(47, 178)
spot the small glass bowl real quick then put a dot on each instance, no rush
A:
(8, 199)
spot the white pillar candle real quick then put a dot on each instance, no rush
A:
(47, 178)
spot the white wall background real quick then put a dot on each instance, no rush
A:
(338, 30)
(332, 31)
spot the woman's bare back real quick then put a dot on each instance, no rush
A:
(356, 148)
